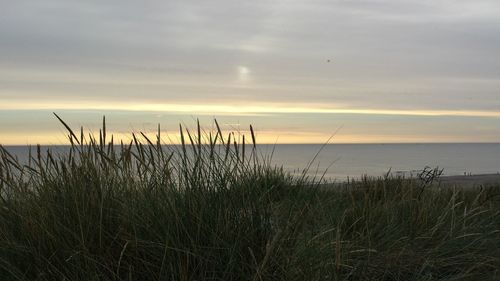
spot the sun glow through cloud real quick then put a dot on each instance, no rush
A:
(243, 73)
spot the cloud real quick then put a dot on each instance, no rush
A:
(391, 55)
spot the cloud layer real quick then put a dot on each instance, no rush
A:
(358, 55)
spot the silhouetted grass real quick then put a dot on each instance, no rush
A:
(215, 209)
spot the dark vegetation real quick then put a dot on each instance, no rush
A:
(215, 209)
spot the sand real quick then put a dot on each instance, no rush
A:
(472, 180)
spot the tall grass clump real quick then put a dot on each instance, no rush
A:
(214, 208)
(393, 228)
(201, 210)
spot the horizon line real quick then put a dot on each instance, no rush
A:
(318, 143)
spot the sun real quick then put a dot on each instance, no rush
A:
(243, 73)
(243, 70)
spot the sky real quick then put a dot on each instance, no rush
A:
(368, 71)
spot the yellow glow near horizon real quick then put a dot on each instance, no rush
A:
(263, 137)
(277, 134)
(238, 109)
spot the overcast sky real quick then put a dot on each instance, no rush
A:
(386, 70)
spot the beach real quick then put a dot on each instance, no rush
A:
(472, 180)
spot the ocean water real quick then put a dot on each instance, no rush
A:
(353, 160)
(340, 161)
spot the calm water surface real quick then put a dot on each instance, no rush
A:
(354, 160)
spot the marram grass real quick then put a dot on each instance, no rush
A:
(215, 209)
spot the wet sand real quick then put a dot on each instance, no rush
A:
(472, 180)
(459, 181)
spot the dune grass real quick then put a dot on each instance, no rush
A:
(213, 208)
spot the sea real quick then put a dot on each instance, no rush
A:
(338, 162)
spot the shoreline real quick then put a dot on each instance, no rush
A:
(451, 180)
(471, 180)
